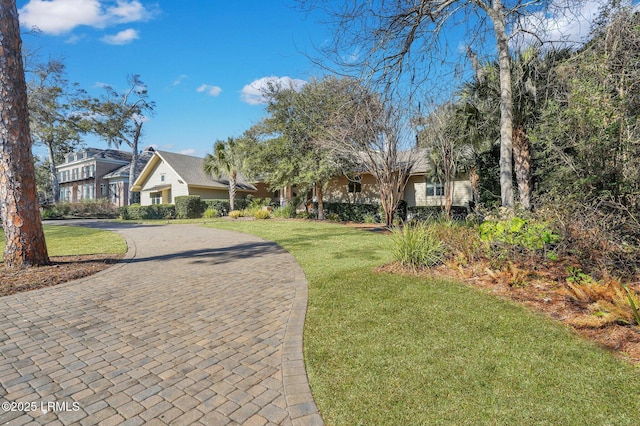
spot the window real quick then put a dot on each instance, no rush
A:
(103, 189)
(156, 197)
(113, 192)
(162, 177)
(435, 189)
(355, 187)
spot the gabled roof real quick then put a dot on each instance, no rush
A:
(189, 170)
(123, 171)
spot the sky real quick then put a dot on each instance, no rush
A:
(203, 62)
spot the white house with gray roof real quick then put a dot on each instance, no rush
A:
(168, 175)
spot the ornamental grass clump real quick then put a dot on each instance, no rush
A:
(416, 246)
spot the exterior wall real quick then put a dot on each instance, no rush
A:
(415, 193)
(262, 191)
(78, 179)
(210, 194)
(338, 191)
(155, 180)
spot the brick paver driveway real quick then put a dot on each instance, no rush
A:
(197, 326)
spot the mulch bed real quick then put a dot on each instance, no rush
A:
(61, 270)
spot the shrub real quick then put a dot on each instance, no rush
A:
(98, 208)
(210, 213)
(519, 232)
(351, 212)
(155, 211)
(426, 213)
(262, 214)
(333, 217)
(416, 246)
(189, 207)
(234, 214)
(306, 215)
(285, 212)
(222, 206)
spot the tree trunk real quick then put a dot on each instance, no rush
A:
(320, 201)
(506, 105)
(55, 184)
(25, 244)
(232, 190)
(522, 161)
(134, 160)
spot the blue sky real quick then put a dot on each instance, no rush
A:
(202, 61)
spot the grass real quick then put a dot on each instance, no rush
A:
(393, 350)
(76, 240)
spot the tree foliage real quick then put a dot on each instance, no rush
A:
(55, 114)
(118, 117)
(226, 160)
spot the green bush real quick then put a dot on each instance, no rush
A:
(210, 213)
(285, 212)
(189, 207)
(234, 214)
(426, 213)
(351, 212)
(519, 232)
(155, 211)
(222, 206)
(98, 208)
(416, 246)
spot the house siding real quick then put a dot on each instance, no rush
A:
(338, 191)
(155, 179)
(416, 193)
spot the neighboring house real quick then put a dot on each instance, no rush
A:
(93, 173)
(168, 175)
(118, 190)
(421, 188)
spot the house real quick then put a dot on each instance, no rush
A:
(168, 175)
(119, 179)
(93, 173)
(421, 189)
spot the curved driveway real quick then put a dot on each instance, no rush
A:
(196, 326)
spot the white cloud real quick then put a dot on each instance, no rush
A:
(123, 37)
(566, 23)
(178, 81)
(210, 90)
(253, 93)
(61, 16)
(187, 152)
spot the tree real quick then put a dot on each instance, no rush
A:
(375, 136)
(478, 99)
(25, 244)
(289, 144)
(448, 147)
(55, 120)
(118, 118)
(226, 160)
(392, 39)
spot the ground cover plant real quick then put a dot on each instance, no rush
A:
(74, 252)
(384, 348)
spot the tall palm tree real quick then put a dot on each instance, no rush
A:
(225, 161)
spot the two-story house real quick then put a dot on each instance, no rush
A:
(93, 173)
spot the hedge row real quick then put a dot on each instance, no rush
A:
(155, 211)
(424, 213)
(352, 212)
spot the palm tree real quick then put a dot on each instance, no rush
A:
(225, 160)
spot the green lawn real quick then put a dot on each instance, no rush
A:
(76, 240)
(388, 350)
